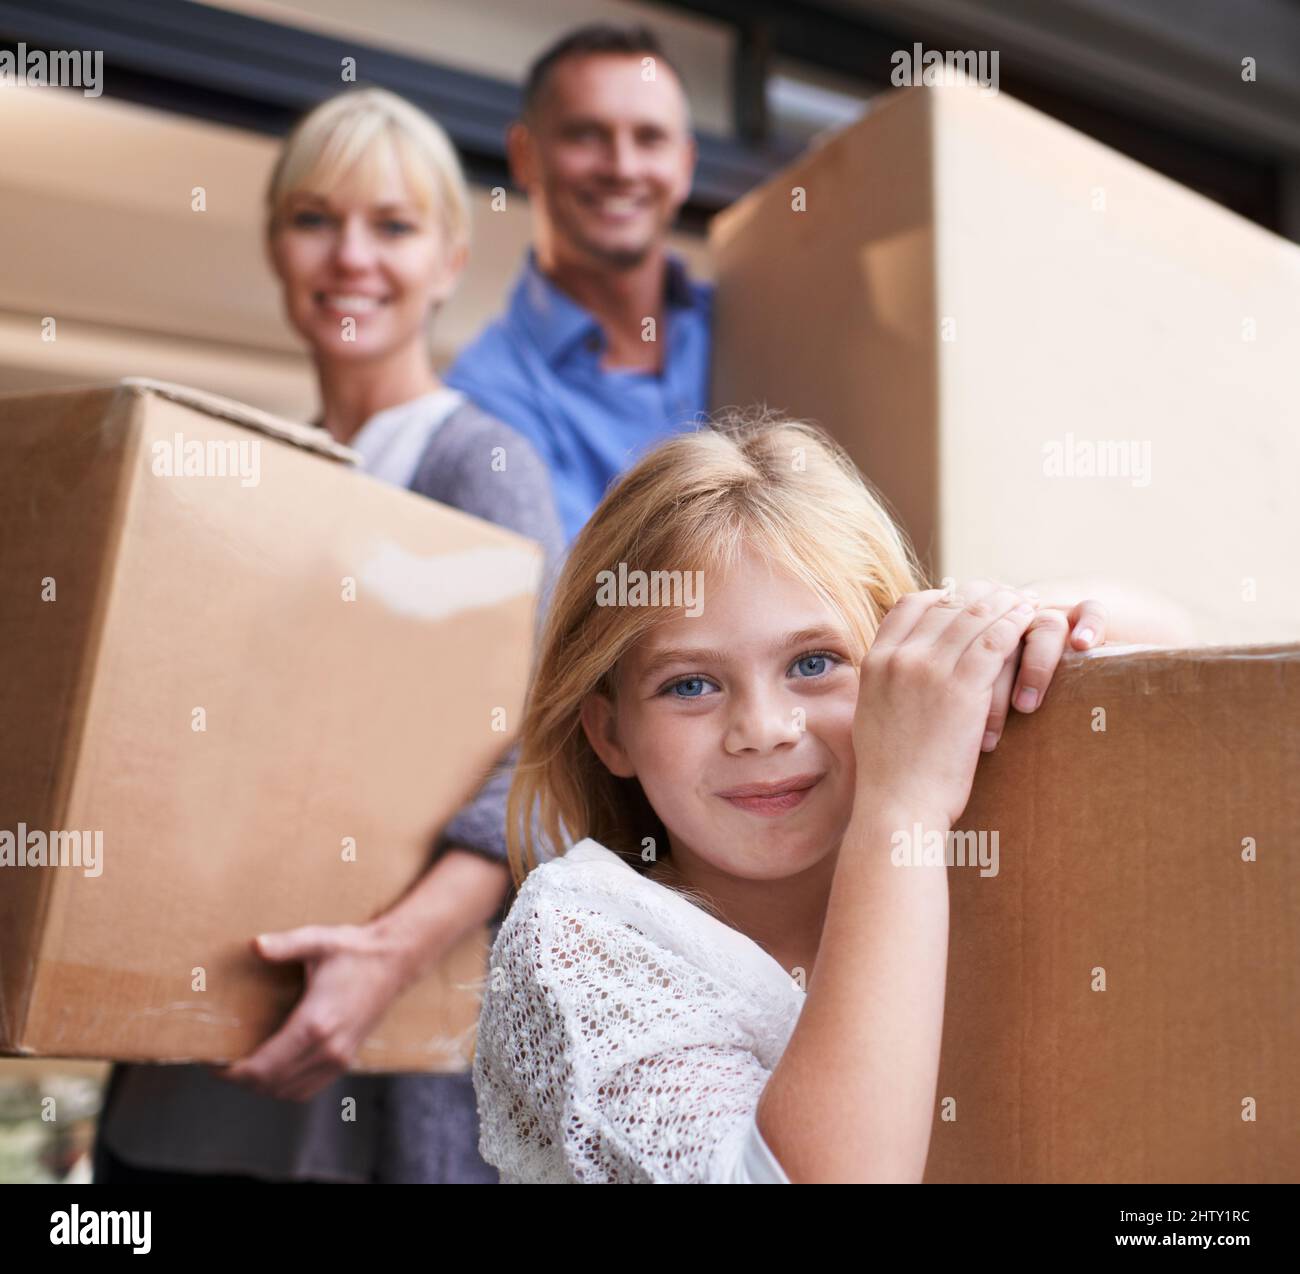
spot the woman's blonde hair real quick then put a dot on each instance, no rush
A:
(353, 136)
(745, 480)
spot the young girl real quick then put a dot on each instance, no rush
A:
(734, 778)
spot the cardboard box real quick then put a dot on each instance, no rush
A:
(982, 305)
(188, 676)
(1127, 985)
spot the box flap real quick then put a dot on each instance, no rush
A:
(306, 436)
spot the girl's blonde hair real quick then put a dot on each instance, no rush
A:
(353, 136)
(745, 480)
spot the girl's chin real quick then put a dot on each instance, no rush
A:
(754, 861)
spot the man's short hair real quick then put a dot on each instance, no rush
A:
(597, 37)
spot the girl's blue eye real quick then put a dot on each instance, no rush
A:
(685, 681)
(397, 227)
(823, 661)
(308, 220)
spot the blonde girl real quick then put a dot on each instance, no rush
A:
(702, 819)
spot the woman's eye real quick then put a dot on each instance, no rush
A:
(308, 220)
(395, 228)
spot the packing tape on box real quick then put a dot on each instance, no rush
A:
(446, 584)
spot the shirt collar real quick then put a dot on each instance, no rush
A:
(557, 322)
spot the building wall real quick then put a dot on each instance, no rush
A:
(95, 205)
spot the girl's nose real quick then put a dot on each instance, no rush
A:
(763, 722)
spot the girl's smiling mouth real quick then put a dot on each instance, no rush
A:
(772, 799)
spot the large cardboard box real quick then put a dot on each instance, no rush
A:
(1051, 360)
(262, 692)
(1123, 999)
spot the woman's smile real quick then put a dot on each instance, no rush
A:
(350, 304)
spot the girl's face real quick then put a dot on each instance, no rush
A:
(371, 256)
(759, 689)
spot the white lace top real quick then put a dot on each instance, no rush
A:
(626, 1034)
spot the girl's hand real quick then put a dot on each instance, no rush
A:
(925, 695)
(1028, 671)
(353, 974)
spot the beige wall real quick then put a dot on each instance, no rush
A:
(95, 213)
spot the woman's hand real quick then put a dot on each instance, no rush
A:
(925, 695)
(354, 972)
(1028, 671)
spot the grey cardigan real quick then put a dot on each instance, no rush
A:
(407, 1128)
(457, 469)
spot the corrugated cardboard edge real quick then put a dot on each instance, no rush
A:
(306, 436)
(116, 407)
(1169, 669)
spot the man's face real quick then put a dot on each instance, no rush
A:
(608, 158)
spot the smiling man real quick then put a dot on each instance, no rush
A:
(604, 347)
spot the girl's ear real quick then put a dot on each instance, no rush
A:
(599, 723)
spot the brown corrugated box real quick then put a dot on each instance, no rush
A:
(1123, 999)
(132, 599)
(982, 304)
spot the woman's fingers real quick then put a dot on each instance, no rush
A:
(310, 1083)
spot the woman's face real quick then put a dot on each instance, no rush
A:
(361, 269)
(758, 689)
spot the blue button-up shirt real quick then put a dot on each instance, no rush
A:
(537, 368)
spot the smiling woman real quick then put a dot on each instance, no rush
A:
(368, 229)
(368, 232)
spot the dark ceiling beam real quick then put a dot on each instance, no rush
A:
(235, 69)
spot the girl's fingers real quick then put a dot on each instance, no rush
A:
(1001, 702)
(947, 623)
(1043, 646)
(1087, 625)
(903, 616)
